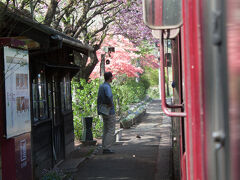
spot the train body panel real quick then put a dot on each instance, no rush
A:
(233, 55)
(209, 43)
(193, 84)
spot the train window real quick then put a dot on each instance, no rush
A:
(162, 14)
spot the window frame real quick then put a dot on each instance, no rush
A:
(39, 98)
(66, 98)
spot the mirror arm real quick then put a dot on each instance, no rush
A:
(163, 95)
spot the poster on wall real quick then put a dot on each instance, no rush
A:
(17, 92)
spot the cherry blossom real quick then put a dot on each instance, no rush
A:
(121, 59)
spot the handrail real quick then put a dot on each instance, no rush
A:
(163, 95)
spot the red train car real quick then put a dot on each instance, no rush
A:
(206, 66)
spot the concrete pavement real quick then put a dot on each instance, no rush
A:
(143, 153)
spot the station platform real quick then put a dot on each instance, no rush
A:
(144, 152)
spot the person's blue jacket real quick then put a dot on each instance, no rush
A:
(105, 96)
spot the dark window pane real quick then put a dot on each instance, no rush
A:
(35, 111)
(66, 93)
(39, 98)
(42, 91)
(50, 100)
(42, 109)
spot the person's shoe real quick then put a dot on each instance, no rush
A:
(108, 151)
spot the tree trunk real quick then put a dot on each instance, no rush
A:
(51, 12)
(85, 69)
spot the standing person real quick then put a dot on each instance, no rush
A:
(105, 107)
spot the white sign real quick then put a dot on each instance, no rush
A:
(17, 92)
(23, 153)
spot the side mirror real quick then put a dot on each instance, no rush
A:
(162, 14)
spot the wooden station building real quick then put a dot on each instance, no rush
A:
(36, 118)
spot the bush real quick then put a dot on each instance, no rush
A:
(126, 93)
(54, 174)
(85, 105)
(151, 76)
(85, 101)
(153, 92)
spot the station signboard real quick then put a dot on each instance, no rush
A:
(17, 91)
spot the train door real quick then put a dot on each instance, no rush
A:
(166, 16)
(182, 121)
(179, 152)
(216, 95)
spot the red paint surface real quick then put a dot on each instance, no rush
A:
(14, 165)
(233, 55)
(23, 161)
(10, 149)
(154, 9)
(183, 167)
(158, 12)
(193, 83)
(7, 146)
(184, 45)
(8, 159)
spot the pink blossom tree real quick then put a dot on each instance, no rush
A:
(120, 60)
(127, 58)
(89, 21)
(86, 20)
(129, 23)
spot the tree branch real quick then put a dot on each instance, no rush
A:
(103, 4)
(51, 12)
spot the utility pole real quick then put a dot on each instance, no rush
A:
(102, 65)
(107, 50)
(102, 68)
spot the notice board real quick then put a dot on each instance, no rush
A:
(17, 91)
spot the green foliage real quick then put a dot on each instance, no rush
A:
(85, 105)
(125, 92)
(145, 48)
(168, 82)
(54, 174)
(151, 76)
(85, 97)
(145, 82)
(153, 92)
(98, 125)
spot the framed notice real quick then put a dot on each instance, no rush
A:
(17, 92)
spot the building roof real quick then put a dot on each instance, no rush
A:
(15, 24)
